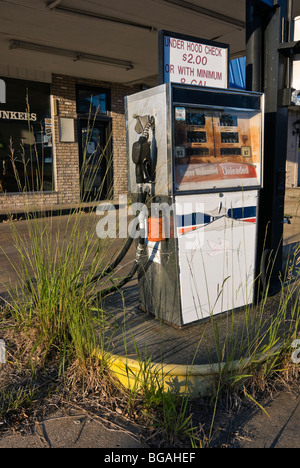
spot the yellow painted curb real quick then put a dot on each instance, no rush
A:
(193, 380)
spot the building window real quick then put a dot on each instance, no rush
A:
(94, 137)
(94, 101)
(26, 156)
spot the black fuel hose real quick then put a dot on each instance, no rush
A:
(142, 196)
(139, 251)
(115, 263)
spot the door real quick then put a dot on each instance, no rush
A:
(94, 160)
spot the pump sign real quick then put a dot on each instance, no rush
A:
(192, 61)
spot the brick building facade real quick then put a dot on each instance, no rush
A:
(63, 104)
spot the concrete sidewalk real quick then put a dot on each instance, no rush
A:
(75, 430)
(280, 429)
(78, 429)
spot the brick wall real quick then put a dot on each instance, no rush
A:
(10, 203)
(67, 154)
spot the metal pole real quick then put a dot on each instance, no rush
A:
(272, 197)
(268, 71)
(254, 37)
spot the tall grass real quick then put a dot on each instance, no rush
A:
(167, 411)
(53, 296)
(50, 296)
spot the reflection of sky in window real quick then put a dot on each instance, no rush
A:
(92, 103)
(98, 103)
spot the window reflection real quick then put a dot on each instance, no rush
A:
(91, 101)
(26, 157)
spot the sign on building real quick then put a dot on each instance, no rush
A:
(189, 60)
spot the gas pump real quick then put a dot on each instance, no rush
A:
(200, 155)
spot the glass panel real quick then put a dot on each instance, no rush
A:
(26, 158)
(93, 164)
(91, 101)
(216, 149)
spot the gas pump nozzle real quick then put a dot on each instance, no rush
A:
(141, 150)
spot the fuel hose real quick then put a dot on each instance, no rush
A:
(142, 196)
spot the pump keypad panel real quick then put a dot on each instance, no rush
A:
(216, 148)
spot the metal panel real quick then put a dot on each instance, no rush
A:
(152, 102)
(159, 283)
(217, 260)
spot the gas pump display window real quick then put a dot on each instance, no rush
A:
(219, 149)
(195, 118)
(196, 137)
(228, 120)
(197, 152)
(231, 151)
(229, 137)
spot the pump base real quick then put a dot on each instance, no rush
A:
(185, 359)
